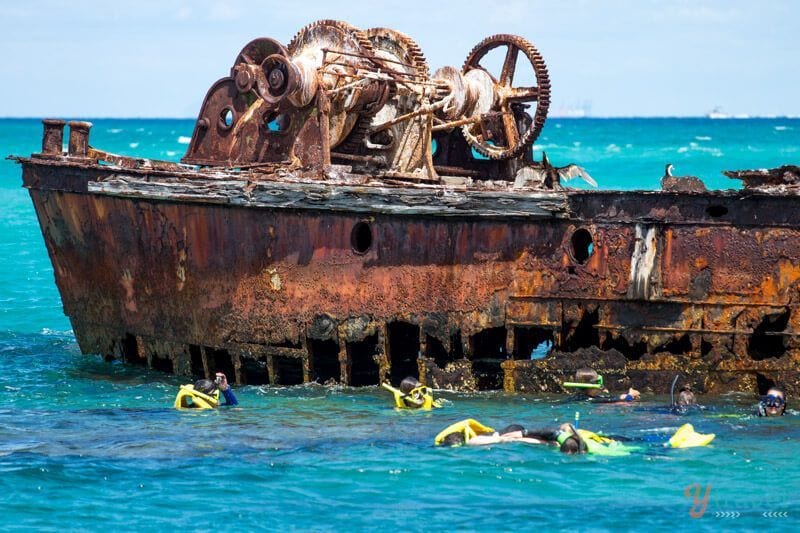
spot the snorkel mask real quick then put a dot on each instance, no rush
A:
(773, 401)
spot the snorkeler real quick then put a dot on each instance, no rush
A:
(473, 433)
(774, 403)
(685, 400)
(568, 439)
(412, 395)
(204, 394)
(589, 385)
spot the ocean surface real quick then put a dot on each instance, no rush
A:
(90, 445)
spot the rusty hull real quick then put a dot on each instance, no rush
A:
(156, 270)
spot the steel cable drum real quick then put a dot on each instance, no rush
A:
(329, 55)
(398, 56)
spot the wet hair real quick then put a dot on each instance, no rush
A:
(206, 386)
(686, 397)
(570, 446)
(586, 375)
(512, 428)
(408, 384)
(455, 438)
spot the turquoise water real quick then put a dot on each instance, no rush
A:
(86, 444)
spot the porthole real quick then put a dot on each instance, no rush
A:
(361, 238)
(582, 245)
(226, 118)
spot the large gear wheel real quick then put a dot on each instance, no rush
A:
(519, 134)
(335, 35)
(393, 44)
(335, 51)
(401, 46)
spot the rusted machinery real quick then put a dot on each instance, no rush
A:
(366, 98)
(342, 215)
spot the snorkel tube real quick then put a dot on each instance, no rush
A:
(574, 385)
(672, 390)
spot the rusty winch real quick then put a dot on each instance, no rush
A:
(337, 94)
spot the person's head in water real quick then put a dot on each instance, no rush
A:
(206, 386)
(686, 397)
(774, 403)
(408, 384)
(588, 375)
(455, 438)
(573, 444)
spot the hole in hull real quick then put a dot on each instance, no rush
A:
(325, 360)
(763, 383)
(361, 238)
(488, 352)
(130, 351)
(196, 358)
(162, 364)
(531, 342)
(716, 211)
(436, 350)
(403, 350)
(680, 346)
(582, 245)
(705, 347)
(254, 372)
(763, 343)
(363, 367)
(585, 334)
(288, 370)
(220, 361)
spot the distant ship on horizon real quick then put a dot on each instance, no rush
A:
(581, 110)
(718, 113)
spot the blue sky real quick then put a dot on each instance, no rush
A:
(147, 58)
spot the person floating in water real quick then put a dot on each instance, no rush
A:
(204, 394)
(413, 395)
(589, 386)
(568, 439)
(774, 403)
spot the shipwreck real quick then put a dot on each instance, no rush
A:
(343, 215)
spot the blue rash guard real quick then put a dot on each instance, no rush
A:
(230, 399)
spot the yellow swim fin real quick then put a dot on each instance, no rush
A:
(687, 437)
